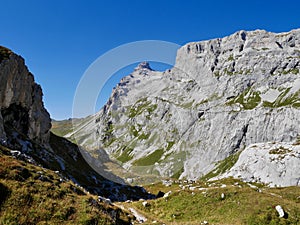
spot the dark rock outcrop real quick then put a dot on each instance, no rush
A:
(21, 103)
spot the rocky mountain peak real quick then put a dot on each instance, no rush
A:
(144, 66)
(237, 54)
(4, 53)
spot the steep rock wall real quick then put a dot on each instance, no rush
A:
(221, 96)
(21, 103)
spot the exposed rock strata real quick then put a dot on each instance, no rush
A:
(221, 96)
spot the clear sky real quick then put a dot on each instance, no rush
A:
(59, 39)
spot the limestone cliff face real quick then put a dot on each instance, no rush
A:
(21, 103)
(221, 96)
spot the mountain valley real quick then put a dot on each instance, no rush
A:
(213, 140)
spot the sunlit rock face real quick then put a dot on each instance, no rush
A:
(272, 163)
(221, 96)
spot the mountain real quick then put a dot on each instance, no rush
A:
(221, 96)
(25, 130)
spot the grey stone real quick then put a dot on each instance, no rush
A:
(211, 104)
(18, 90)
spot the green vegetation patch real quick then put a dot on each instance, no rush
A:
(226, 71)
(230, 58)
(177, 174)
(140, 106)
(61, 128)
(125, 155)
(144, 136)
(223, 166)
(291, 71)
(249, 99)
(284, 100)
(150, 159)
(136, 132)
(34, 195)
(133, 131)
(240, 205)
(170, 145)
(187, 105)
(217, 74)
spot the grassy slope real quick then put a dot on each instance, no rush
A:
(61, 128)
(199, 202)
(33, 195)
(241, 205)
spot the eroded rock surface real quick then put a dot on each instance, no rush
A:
(275, 164)
(221, 96)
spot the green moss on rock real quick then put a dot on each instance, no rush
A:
(223, 166)
(248, 99)
(284, 99)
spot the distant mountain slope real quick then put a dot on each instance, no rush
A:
(62, 127)
(221, 96)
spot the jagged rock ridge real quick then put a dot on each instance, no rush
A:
(221, 96)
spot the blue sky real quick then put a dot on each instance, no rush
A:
(60, 39)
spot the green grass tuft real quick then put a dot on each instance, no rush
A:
(230, 58)
(125, 154)
(150, 159)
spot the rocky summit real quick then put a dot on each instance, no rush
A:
(221, 96)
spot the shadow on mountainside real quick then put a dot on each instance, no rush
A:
(65, 158)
